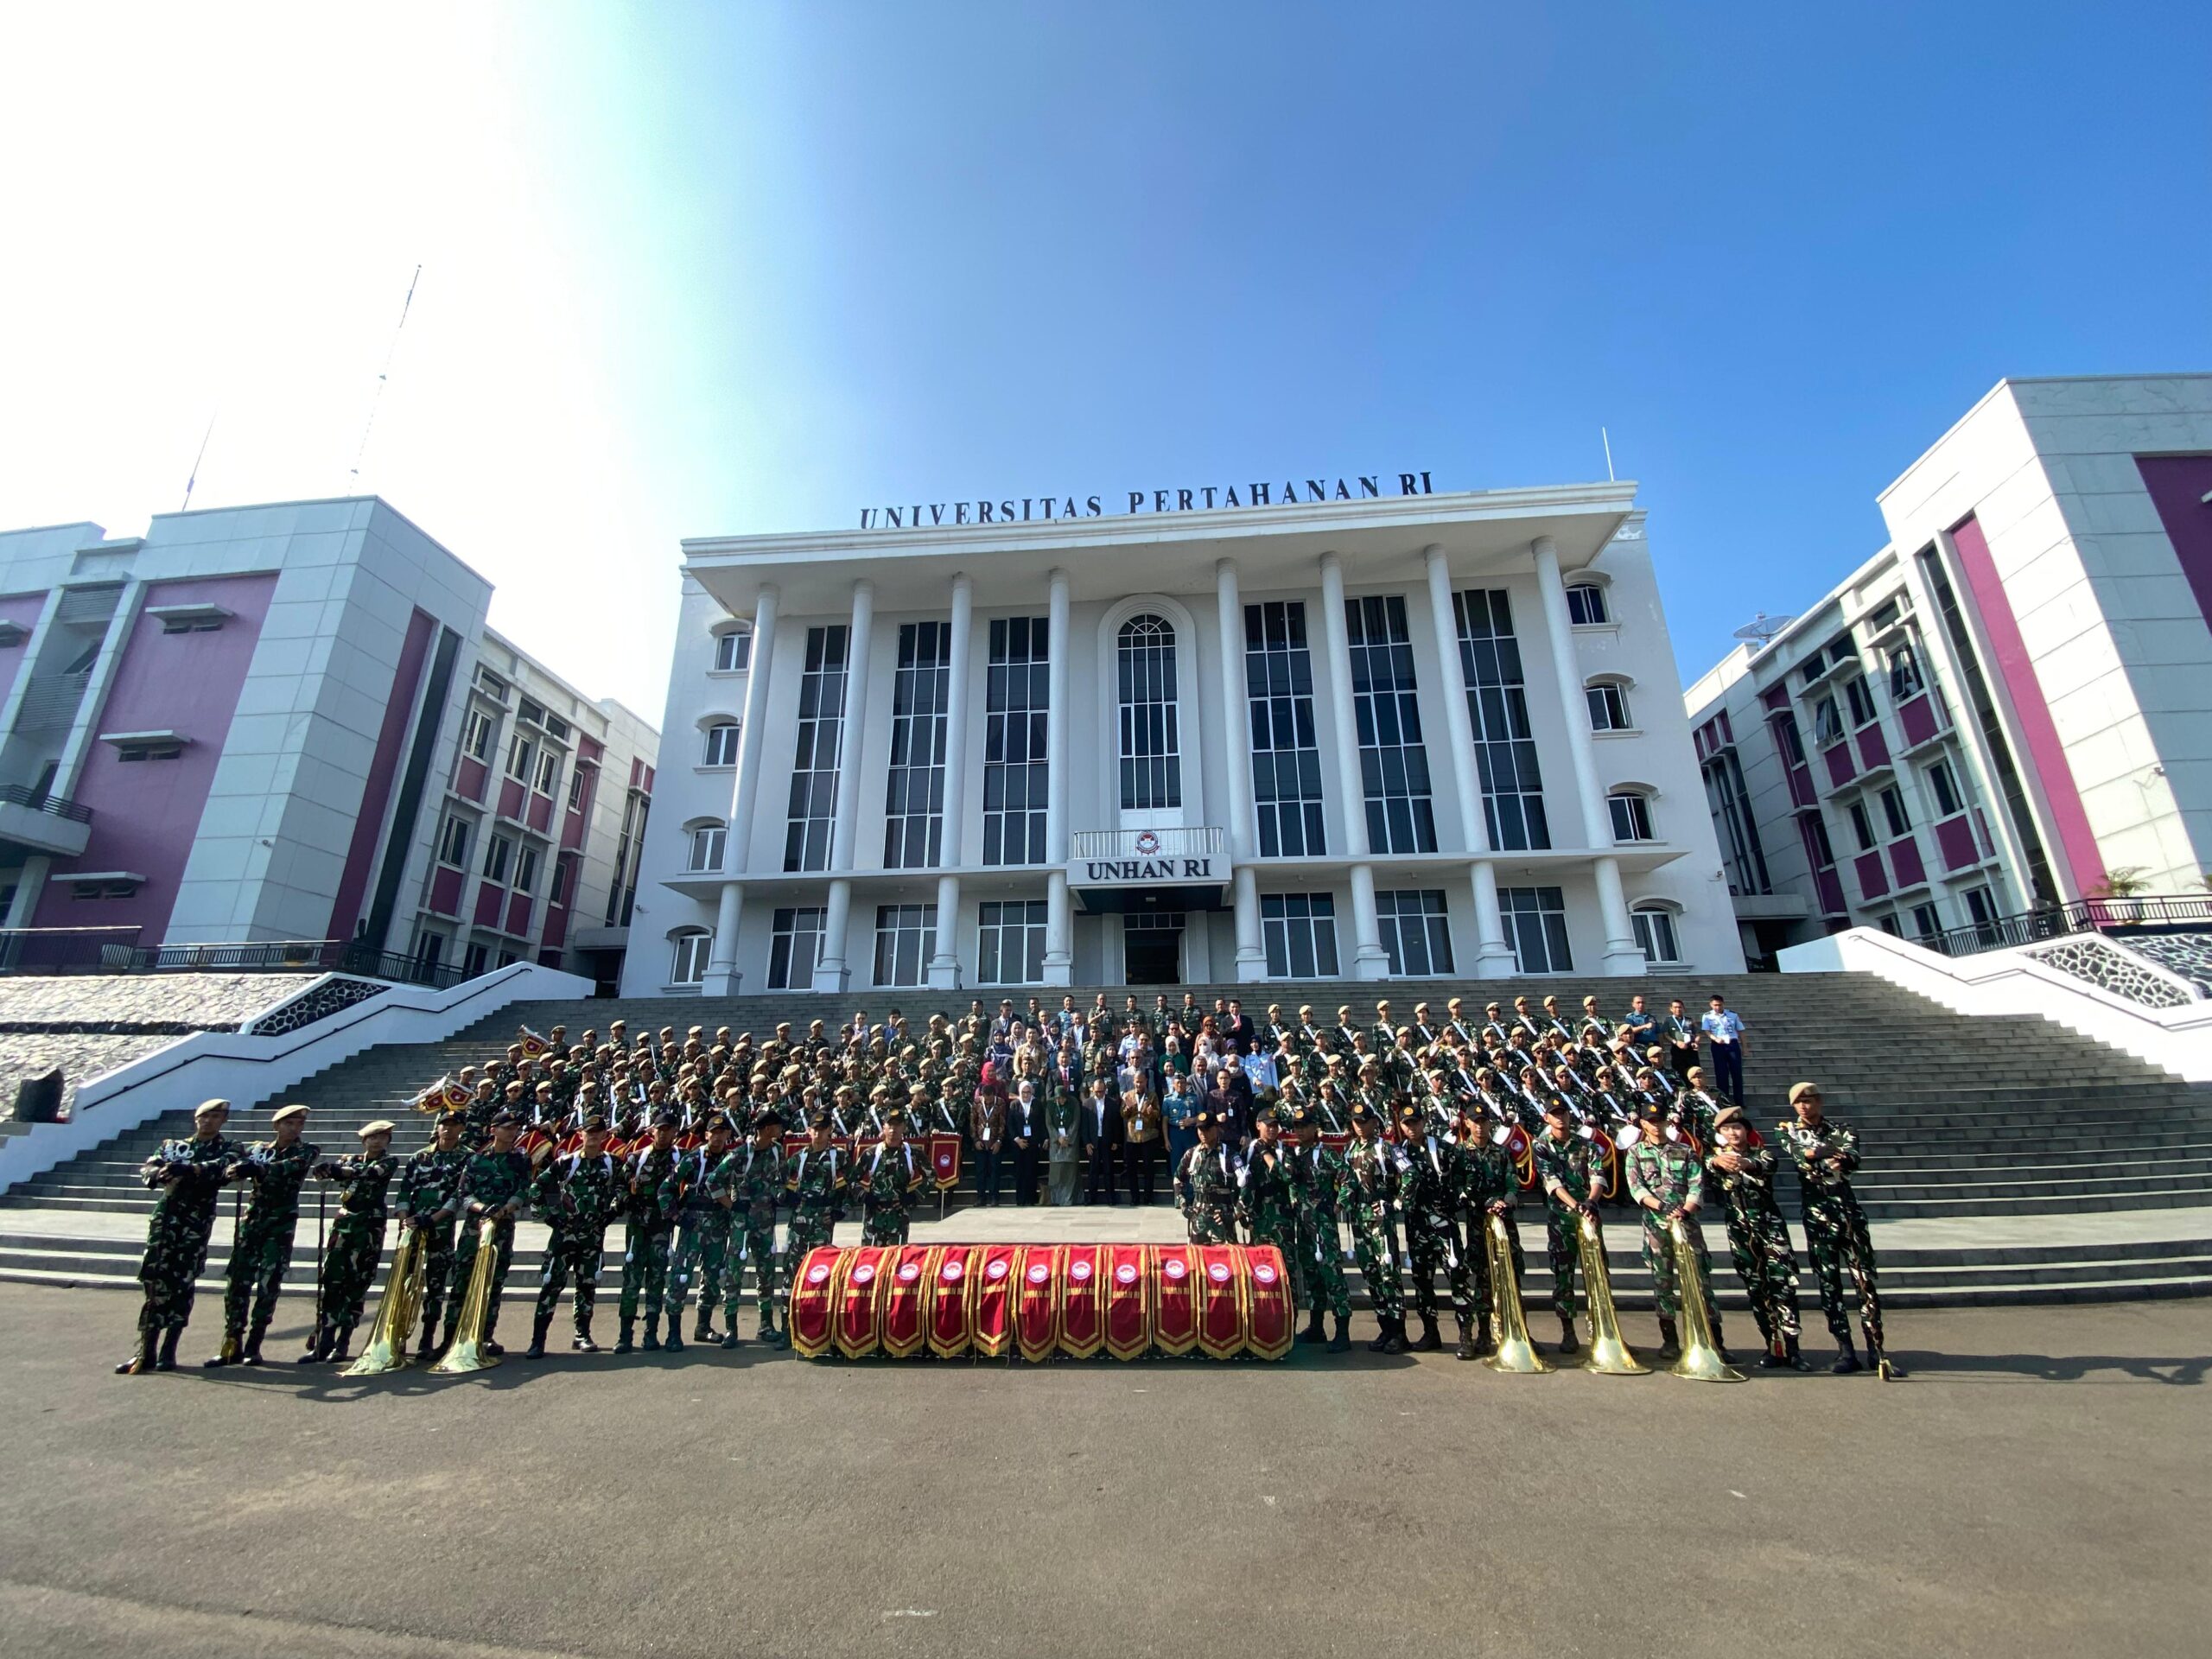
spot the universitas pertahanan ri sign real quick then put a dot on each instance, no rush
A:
(1023, 509)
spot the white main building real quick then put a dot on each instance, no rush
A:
(1397, 737)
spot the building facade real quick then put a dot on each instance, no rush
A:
(247, 725)
(1411, 737)
(2008, 706)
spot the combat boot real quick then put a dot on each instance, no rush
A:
(1797, 1360)
(1482, 1334)
(1341, 1343)
(674, 1341)
(729, 1337)
(622, 1343)
(1568, 1342)
(652, 1344)
(252, 1356)
(1431, 1339)
(702, 1330)
(1774, 1359)
(142, 1361)
(1382, 1343)
(342, 1348)
(538, 1327)
(166, 1362)
(318, 1348)
(227, 1354)
(1847, 1357)
(1466, 1348)
(1393, 1336)
(1670, 1342)
(1313, 1332)
(582, 1342)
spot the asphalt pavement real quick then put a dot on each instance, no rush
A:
(2036, 1485)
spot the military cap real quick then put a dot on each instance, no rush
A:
(818, 1119)
(499, 1117)
(666, 1119)
(1302, 1117)
(285, 1114)
(207, 1106)
(1359, 1110)
(1207, 1121)
(595, 1124)
(1728, 1114)
(1655, 1110)
(717, 1121)
(1799, 1091)
(382, 1126)
(770, 1119)
(453, 1115)
(1555, 1108)
(1409, 1113)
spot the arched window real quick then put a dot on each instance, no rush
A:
(722, 744)
(1609, 709)
(692, 946)
(1655, 933)
(710, 838)
(1630, 806)
(1585, 605)
(732, 650)
(1152, 748)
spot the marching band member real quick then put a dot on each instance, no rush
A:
(261, 1248)
(493, 1187)
(703, 1218)
(888, 1180)
(1431, 1183)
(349, 1264)
(1205, 1185)
(577, 1197)
(189, 1174)
(1825, 1152)
(1571, 1169)
(1665, 1179)
(1758, 1239)
(648, 1220)
(1369, 1198)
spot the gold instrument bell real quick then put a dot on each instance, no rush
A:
(386, 1349)
(464, 1353)
(1700, 1360)
(1610, 1356)
(1517, 1355)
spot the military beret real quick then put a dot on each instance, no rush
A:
(1728, 1114)
(595, 1124)
(382, 1126)
(285, 1114)
(207, 1106)
(1799, 1091)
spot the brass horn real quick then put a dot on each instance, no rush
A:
(464, 1353)
(1609, 1355)
(386, 1349)
(1516, 1354)
(1700, 1360)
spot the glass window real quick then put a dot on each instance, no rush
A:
(1497, 708)
(732, 651)
(1890, 926)
(453, 844)
(904, 935)
(1945, 788)
(526, 870)
(913, 801)
(549, 771)
(1828, 725)
(691, 952)
(1981, 911)
(1631, 815)
(708, 844)
(1789, 740)
(1655, 935)
(476, 736)
(813, 805)
(1286, 754)
(475, 960)
(1152, 748)
(1817, 843)
(1862, 825)
(1904, 673)
(722, 744)
(521, 753)
(1010, 942)
(1535, 923)
(794, 947)
(1893, 811)
(1015, 771)
(1925, 922)
(1585, 605)
(498, 853)
(577, 781)
(1860, 698)
(1300, 929)
(1746, 858)
(1393, 759)
(1609, 708)
(1416, 930)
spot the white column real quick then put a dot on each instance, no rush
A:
(830, 974)
(1622, 956)
(1493, 955)
(1368, 958)
(944, 959)
(1059, 942)
(1236, 756)
(722, 956)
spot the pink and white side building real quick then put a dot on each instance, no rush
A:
(2007, 708)
(289, 722)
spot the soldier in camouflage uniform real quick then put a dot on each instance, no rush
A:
(188, 1174)
(1317, 1175)
(1668, 1183)
(1267, 1201)
(1429, 1196)
(1205, 1185)
(577, 1197)
(889, 1176)
(349, 1264)
(705, 1214)
(1825, 1152)
(1758, 1239)
(1487, 1184)
(429, 1182)
(647, 1222)
(754, 1175)
(494, 1187)
(1571, 1170)
(261, 1248)
(819, 1175)
(1367, 1196)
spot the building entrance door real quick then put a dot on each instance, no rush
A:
(1151, 949)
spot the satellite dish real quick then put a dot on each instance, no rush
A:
(1762, 628)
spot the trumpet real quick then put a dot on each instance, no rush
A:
(1609, 1355)
(1516, 1354)
(464, 1353)
(396, 1314)
(1701, 1359)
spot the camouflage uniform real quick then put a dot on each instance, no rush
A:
(1205, 1191)
(262, 1249)
(817, 1181)
(1668, 1173)
(1267, 1199)
(1429, 1192)
(490, 1182)
(1487, 1177)
(577, 1197)
(1368, 1195)
(647, 1223)
(1573, 1163)
(702, 1238)
(429, 1182)
(349, 1265)
(1318, 1265)
(1835, 1227)
(888, 1183)
(1758, 1241)
(755, 1175)
(188, 1174)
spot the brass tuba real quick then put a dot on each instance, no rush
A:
(1609, 1355)
(1701, 1359)
(386, 1349)
(1516, 1354)
(464, 1353)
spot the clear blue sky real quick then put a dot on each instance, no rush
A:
(811, 257)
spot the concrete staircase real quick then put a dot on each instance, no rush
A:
(1994, 1145)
